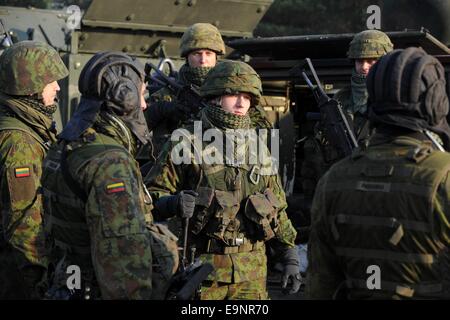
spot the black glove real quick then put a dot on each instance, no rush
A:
(182, 204)
(191, 100)
(291, 272)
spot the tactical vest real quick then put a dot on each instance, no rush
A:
(65, 215)
(64, 205)
(382, 207)
(236, 210)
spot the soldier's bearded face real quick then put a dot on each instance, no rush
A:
(236, 103)
(202, 58)
(363, 66)
(50, 93)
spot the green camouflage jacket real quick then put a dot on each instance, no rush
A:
(23, 145)
(96, 214)
(237, 195)
(386, 207)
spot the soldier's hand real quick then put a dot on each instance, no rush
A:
(291, 273)
(292, 276)
(181, 204)
(186, 203)
(187, 102)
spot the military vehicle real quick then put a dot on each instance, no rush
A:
(151, 31)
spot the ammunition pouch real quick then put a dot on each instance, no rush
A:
(223, 224)
(262, 209)
(202, 209)
(216, 214)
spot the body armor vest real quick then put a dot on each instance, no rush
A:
(64, 204)
(382, 206)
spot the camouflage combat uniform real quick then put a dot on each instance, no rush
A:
(25, 135)
(380, 218)
(96, 209)
(239, 207)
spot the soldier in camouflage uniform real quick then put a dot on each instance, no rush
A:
(236, 207)
(28, 86)
(365, 48)
(201, 44)
(380, 218)
(96, 208)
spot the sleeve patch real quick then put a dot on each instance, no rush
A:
(115, 187)
(22, 172)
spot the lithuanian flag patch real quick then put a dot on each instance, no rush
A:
(22, 172)
(115, 187)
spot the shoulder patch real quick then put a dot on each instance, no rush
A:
(115, 187)
(22, 172)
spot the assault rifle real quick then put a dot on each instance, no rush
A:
(336, 128)
(187, 93)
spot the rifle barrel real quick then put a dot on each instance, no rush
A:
(308, 82)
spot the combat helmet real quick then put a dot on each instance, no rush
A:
(202, 36)
(230, 77)
(28, 66)
(369, 44)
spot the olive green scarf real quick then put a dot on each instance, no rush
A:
(37, 104)
(226, 120)
(29, 110)
(359, 93)
(192, 75)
